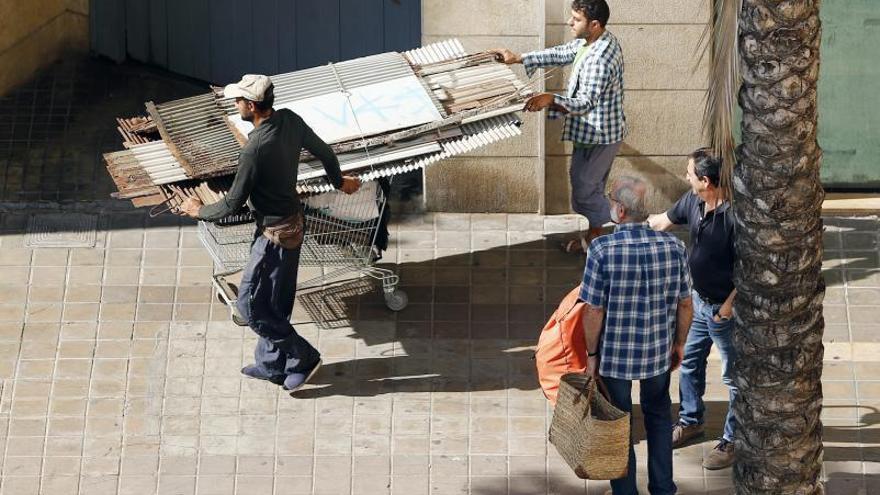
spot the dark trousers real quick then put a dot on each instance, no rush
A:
(588, 174)
(265, 301)
(654, 395)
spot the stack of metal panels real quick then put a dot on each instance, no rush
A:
(384, 115)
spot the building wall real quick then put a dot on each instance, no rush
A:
(35, 33)
(663, 102)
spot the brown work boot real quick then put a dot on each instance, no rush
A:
(682, 434)
(721, 456)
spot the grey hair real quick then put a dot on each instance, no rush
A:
(632, 194)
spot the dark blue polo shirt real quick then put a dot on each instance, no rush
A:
(711, 251)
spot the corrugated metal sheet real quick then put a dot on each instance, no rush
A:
(198, 135)
(436, 52)
(352, 74)
(321, 80)
(158, 162)
(474, 135)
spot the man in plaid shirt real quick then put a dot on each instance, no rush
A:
(637, 292)
(592, 106)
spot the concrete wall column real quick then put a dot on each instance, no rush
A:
(507, 176)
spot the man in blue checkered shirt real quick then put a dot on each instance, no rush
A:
(592, 106)
(637, 291)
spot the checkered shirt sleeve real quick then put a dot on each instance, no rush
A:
(558, 55)
(593, 284)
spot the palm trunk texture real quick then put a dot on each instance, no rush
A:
(778, 201)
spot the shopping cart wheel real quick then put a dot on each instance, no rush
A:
(236, 317)
(232, 290)
(396, 300)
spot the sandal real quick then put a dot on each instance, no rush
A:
(575, 246)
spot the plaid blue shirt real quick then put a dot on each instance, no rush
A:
(594, 98)
(638, 276)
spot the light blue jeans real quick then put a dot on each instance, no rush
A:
(692, 383)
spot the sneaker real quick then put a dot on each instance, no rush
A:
(252, 371)
(722, 456)
(682, 434)
(295, 381)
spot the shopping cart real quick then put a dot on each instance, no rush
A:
(340, 238)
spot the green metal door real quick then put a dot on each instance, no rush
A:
(849, 94)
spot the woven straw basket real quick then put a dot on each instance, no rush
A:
(588, 431)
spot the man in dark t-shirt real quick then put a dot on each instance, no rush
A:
(266, 175)
(711, 255)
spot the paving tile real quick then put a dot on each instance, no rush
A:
(16, 257)
(46, 294)
(15, 275)
(177, 485)
(60, 484)
(83, 293)
(82, 275)
(136, 485)
(20, 485)
(86, 257)
(158, 276)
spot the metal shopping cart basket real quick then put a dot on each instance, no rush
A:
(340, 238)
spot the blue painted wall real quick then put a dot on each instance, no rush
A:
(219, 40)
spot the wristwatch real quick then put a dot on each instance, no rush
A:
(592, 354)
(722, 318)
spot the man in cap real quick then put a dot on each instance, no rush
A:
(267, 172)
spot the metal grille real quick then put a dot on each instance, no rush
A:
(341, 231)
(229, 247)
(62, 230)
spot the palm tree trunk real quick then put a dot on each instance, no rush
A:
(778, 200)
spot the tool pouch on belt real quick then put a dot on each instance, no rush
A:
(287, 233)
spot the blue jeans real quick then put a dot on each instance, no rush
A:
(656, 404)
(692, 384)
(265, 301)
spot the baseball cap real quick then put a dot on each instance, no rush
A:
(251, 87)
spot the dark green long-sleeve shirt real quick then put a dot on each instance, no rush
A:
(267, 170)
